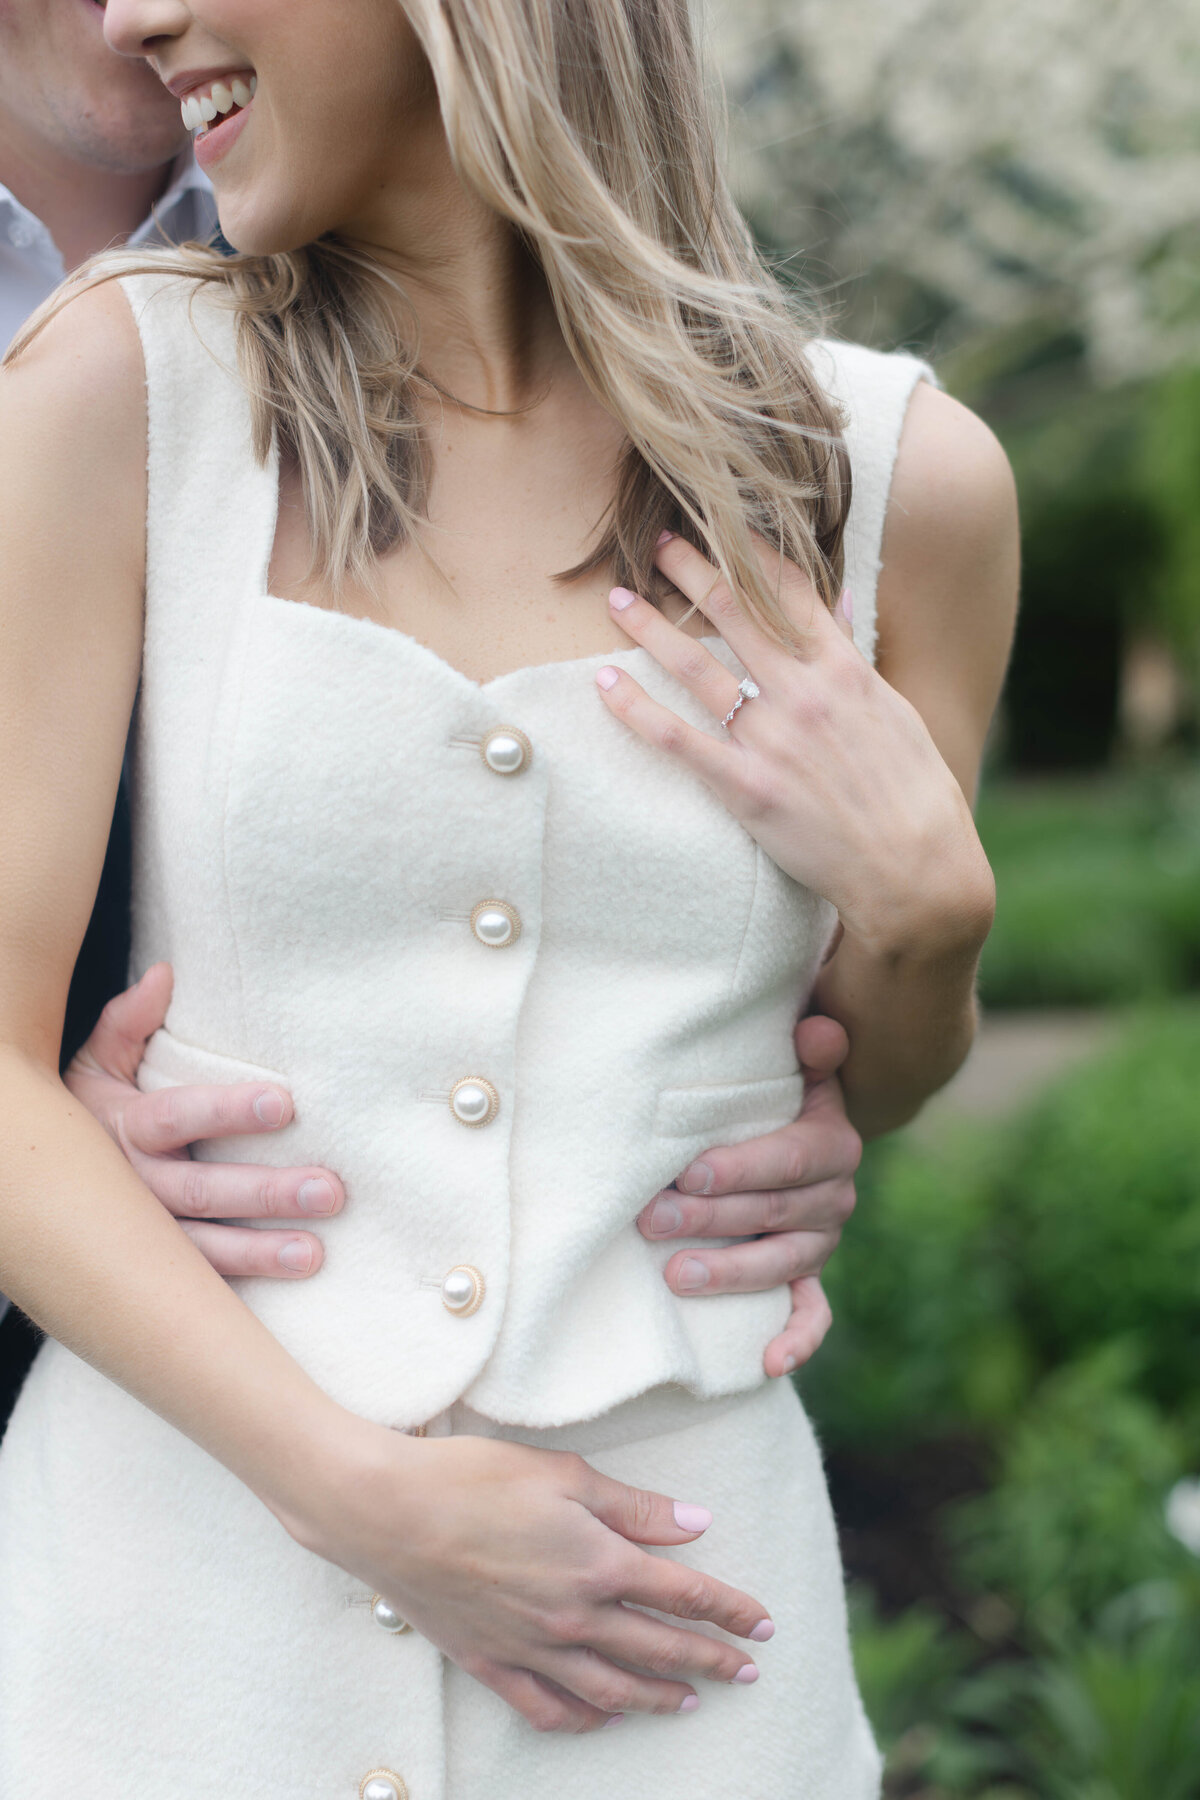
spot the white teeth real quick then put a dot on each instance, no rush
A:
(200, 108)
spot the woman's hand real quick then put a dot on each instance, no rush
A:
(791, 1192)
(524, 1567)
(829, 769)
(155, 1129)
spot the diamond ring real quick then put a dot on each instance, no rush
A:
(747, 690)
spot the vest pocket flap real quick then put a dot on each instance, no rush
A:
(746, 1106)
(169, 1062)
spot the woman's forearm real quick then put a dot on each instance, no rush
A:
(91, 1256)
(910, 1011)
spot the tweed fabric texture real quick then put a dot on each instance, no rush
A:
(314, 822)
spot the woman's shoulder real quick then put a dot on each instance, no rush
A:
(73, 386)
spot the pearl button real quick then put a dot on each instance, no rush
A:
(381, 1784)
(386, 1617)
(497, 923)
(474, 1101)
(463, 1291)
(506, 751)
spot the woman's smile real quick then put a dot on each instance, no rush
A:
(215, 106)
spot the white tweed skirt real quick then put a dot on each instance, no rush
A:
(161, 1635)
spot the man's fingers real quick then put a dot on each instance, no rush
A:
(119, 1036)
(766, 1262)
(174, 1117)
(804, 1332)
(213, 1190)
(239, 1250)
(820, 1206)
(822, 1046)
(821, 1145)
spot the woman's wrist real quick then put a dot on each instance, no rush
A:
(332, 1459)
(940, 925)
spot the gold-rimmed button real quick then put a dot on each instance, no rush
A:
(506, 751)
(386, 1616)
(382, 1784)
(496, 923)
(474, 1101)
(463, 1290)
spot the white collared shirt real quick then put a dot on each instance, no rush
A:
(31, 265)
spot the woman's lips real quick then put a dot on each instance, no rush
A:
(217, 141)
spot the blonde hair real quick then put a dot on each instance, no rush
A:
(585, 124)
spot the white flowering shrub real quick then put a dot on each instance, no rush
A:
(992, 164)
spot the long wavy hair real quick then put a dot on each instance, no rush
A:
(587, 124)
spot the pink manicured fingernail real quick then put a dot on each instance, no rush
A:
(606, 677)
(615, 1720)
(696, 1179)
(316, 1196)
(789, 1363)
(847, 605)
(664, 537)
(747, 1674)
(693, 1274)
(620, 598)
(689, 1703)
(692, 1518)
(665, 1217)
(762, 1631)
(297, 1256)
(269, 1108)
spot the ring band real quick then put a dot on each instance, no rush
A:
(747, 690)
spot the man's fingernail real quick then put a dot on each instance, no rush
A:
(692, 1275)
(665, 1217)
(696, 1179)
(692, 1518)
(615, 1720)
(746, 1674)
(297, 1256)
(664, 537)
(620, 598)
(789, 1363)
(269, 1107)
(689, 1703)
(762, 1631)
(316, 1196)
(606, 677)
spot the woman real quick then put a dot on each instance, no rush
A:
(493, 318)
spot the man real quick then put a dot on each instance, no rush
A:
(93, 154)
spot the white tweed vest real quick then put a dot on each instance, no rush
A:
(315, 825)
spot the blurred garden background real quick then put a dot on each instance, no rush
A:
(1009, 1400)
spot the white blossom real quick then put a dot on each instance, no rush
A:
(1022, 163)
(1182, 1512)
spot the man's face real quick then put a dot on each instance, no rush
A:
(64, 89)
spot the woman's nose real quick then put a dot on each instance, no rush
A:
(140, 27)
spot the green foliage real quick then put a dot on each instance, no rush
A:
(1076, 1514)
(1098, 1207)
(1098, 890)
(1032, 1289)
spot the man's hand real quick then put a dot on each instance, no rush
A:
(795, 1187)
(154, 1131)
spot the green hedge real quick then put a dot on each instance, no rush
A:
(1032, 1290)
(1098, 887)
